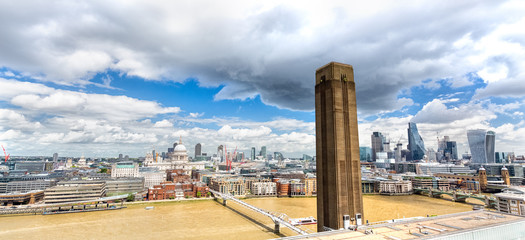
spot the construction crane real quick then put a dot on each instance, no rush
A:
(234, 155)
(5, 154)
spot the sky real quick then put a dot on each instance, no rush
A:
(99, 78)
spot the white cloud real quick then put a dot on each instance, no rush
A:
(12, 119)
(269, 48)
(10, 134)
(243, 133)
(196, 115)
(163, 124)
(437, 112)
(69, 103)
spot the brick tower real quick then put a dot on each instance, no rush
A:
(337, 147)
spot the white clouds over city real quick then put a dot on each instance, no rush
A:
(447, 65)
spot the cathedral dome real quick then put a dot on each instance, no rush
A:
(180, 148)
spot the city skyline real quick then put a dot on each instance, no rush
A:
(92, 80)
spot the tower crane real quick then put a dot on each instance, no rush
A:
(5, 154)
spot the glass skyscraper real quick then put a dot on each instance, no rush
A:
(377, 144)
(252, 155)
(415, 142)
(482, 145)
(365, 154)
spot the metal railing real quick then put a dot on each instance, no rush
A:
(276, 218)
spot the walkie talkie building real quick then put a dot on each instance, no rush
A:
(482, 145)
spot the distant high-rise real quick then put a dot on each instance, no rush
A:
(278, 156)
(451, 151)
(398, 152)
(120, 157)
(252, 155)
(415, 142)
(55, 157)
(339, 196)
(482, 144)
(365, 154)
(198, 150)
(307, 157)
(377, 144)
(220, 153)
(263, 151)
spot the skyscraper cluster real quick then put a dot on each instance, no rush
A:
(481, 143)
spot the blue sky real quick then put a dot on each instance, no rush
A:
(93, 81)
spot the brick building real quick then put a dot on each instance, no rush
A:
(171, 190)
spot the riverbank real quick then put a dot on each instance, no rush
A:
(205, 219)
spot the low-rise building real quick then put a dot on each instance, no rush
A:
(125, 169)
(283, 187)
(395, 187)
(512, 201)
(297, 188)
(177, 175)
(264, 188)
(234, 186)
(31, 197)
(171, 190)
(74, 191)
(430, 183)
(25, 186)
(310, 186)
(121, 186)
(152, 176)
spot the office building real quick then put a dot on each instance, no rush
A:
(220, 153)
(252, 155)
(504, 157)
(398, 153)
(30, 166)
(337, 147)
(55, 157)
(451, 151)
(365, 154)
(75, 191)
(377, 144)
(482, 145)
(152, 176)
(124, 169)
(512, 201)
(263, 151)
(198, 150)
(415, 142)
(26, 186)
(124, 186)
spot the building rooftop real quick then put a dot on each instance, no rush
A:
(442, 227)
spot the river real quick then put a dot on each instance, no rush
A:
(205, 219)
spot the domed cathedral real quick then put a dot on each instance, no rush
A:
(179, 154)
(176, 159)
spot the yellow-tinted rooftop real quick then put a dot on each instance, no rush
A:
(442, 227)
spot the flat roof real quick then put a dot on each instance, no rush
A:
(429, 227)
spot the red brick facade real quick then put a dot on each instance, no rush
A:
(171, 190)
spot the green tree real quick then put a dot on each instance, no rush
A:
(103, 170)
(130, 198)
(199, 194)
